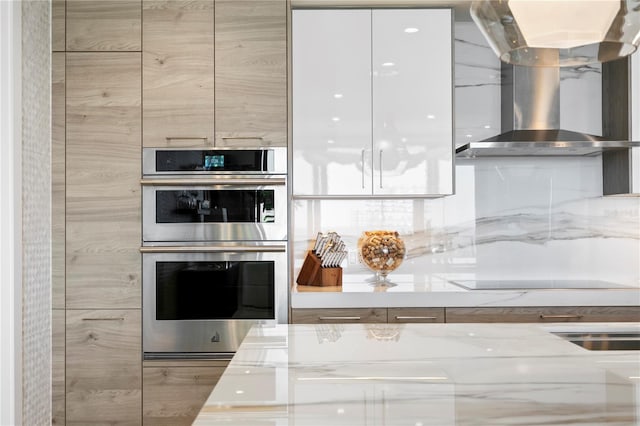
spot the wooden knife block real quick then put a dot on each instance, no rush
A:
(312, 273)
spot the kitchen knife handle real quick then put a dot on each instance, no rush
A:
(339, 318)
(380, 164)
(362, 164)
(567, 316)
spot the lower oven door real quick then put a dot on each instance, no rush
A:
(201, 300)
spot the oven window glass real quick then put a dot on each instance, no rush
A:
(215, 290)
(222, 206)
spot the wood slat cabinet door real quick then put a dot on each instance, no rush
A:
(103, 367)
(57, 367)
(415, 315)
(338, 315)
(103, 180)
(58, 183)
(58, 20)
(103, 25)
(174, 394)
(178, 73)
(545, 314)
(251, 72)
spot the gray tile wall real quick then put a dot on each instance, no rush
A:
(36, 213)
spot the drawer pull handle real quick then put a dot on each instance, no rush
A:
(339, 318)
(241, 137)
(103, 319)
(570, 316)
(214, 182)
(410, 317)
(204, 138)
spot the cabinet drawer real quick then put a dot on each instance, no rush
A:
(544, 314)
(173, 395)
(418, 315)
(339, 315)
(103, 367)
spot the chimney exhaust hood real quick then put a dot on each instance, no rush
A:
(530, 98)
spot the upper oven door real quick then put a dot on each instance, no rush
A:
(214, 209)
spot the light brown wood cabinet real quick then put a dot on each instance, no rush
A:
(58, 183)
(57, 367)
(58, 17)
(102, 180)
(178, 73)
(174, 392)
(545, 314)
(251, 72)
(103, 367)
(338, 315)
(104, 25)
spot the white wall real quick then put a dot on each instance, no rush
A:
(10, 213)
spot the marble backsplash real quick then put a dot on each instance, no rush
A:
(537, 218)
(510, 218)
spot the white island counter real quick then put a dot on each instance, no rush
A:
(419, 375)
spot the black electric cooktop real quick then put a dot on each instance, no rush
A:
(535, 284)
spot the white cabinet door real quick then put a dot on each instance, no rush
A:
(412, 102)
(331, 102)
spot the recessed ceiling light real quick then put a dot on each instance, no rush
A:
(469, 136)
(388, 64)
(239, 392)
(431, 116)
(487, 126)
(331, 141)
(337, 95)
(411, 30)
(336, 118)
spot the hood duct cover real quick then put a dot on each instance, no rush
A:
(530, 116)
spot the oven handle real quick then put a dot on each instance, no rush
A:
(198, 182)
(213, 249)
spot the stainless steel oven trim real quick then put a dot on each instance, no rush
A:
(276, 161)
(152, 231)
(194, 336)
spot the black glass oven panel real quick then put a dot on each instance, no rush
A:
(221, 206)
(211, 160)
(215, 290)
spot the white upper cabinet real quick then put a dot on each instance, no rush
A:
(372, 102)
(412, 102)
(331, 102)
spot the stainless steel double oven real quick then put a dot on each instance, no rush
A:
(214, 226)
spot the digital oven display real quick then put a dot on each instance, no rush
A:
(213, 162)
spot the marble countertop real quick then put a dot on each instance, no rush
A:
(420, 375)
(432, 290)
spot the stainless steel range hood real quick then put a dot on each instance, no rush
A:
(530, 116)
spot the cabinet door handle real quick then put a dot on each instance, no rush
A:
(362, 163)
(417, 317)
(242, 137)
(567, 316)
(170, 138)
(339, 318)
(380, 169)
(103, 319)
